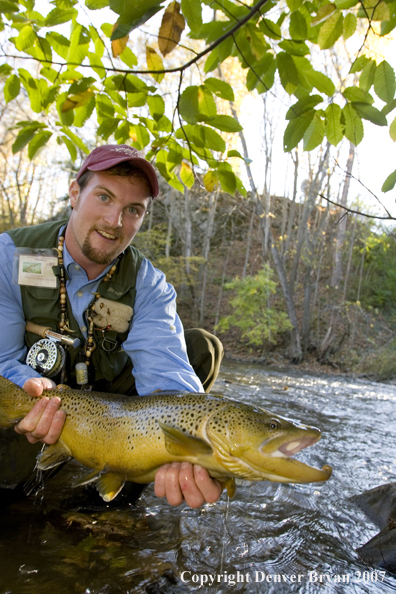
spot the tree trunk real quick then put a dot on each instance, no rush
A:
(340, 239)
(206, 251)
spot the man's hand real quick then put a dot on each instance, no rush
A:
(182, 481)
(45, 421)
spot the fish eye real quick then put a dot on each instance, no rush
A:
(274, 424)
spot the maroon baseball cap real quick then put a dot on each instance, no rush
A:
(104, 157)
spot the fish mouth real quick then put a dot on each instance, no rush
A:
(296, 445)
(279, 467)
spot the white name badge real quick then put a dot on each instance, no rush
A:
(35, 270)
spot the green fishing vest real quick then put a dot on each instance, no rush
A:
(42, 305)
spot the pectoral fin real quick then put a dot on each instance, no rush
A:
(178, 443)
(109, 485)
(53, 455)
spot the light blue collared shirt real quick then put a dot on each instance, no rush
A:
(155, 342)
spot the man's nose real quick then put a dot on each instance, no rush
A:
(113, 218)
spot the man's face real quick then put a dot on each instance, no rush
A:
(106, 216)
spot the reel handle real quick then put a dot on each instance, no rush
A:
(46, 332)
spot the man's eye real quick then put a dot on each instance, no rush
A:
(103, 197)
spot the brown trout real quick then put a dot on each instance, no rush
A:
(129, 438)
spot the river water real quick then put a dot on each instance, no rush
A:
(268, 538)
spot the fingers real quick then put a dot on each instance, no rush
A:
(44, 422)
(34, 386)
(183, 481)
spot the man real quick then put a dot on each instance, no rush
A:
(97, 273)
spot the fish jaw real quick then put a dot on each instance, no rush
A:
(282, 469)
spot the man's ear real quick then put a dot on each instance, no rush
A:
(74, 193)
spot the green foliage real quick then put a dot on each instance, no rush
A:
(258, 322)
(267, 50)
(378, 287)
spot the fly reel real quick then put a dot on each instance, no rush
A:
(46, 357)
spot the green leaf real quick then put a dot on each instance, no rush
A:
(107, 127)
(287, 72)
(5, 71)
(303, 105)
(140, 136)
(24, 137)
(367, 76)
(76, 139)
(212, 60)
(206, 102)
(298, 26)
(294, 4)
(156, 106)
(227, 180)
(350, 24)
(137, 99)
(96, 64)
(211, 180)
(188, 104)
(384, 81)
(213, 141)
(234, 153)
(321, 82)
(39, 140)
(368, 112)
(220, 88)
(70, 147)
(128, 57)
(11, 88)
(104, 107)
(359, 64)
(174, 182)
(225, 123)
(192, 10)
(389, 183)
(96, 4)
(25, 39)
(314, 134)
(7, 6)
(324, 13)
(354, 130)
(32, 88)
(392, 130)
(388, 108)
(296, 48)
(187, 175)
(59, 43)
(261, 75)
(134, 15)
(374, 10)
(331, 31)
(344, 4)
(257, 43)
(270, 29)
(79, 46)
(355, 94)
(82, 114)
(295, 130)
(334, 131)
(58, 16)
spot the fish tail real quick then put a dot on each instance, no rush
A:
(14, 403)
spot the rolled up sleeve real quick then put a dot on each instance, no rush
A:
(12, 320)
